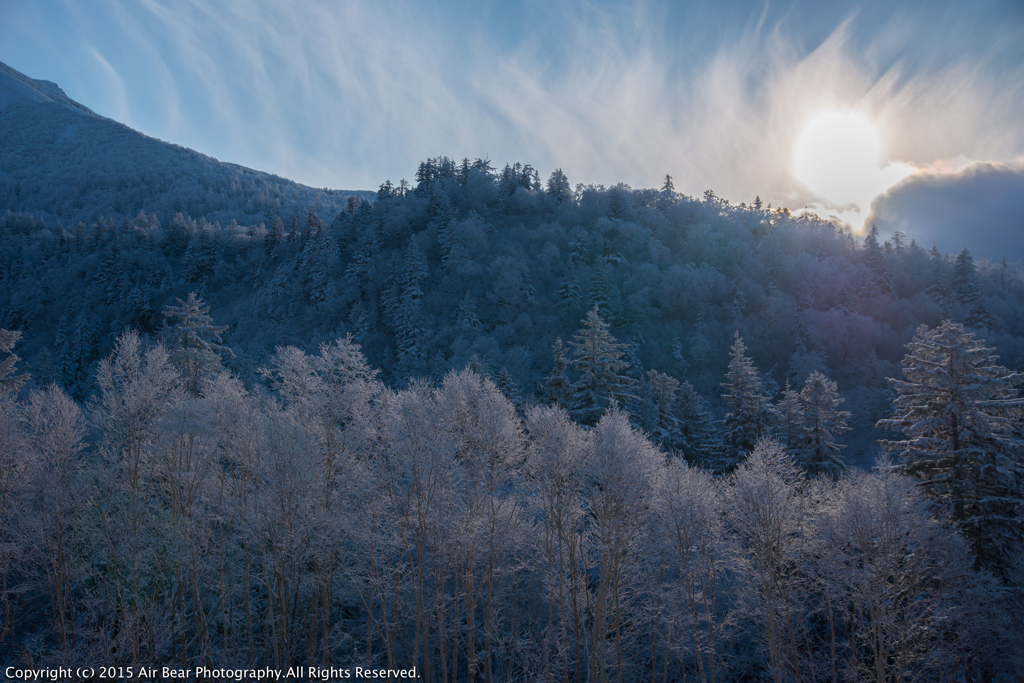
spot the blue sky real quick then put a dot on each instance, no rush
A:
(348, 94)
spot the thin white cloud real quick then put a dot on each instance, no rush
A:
(349, 94)
(115, 86)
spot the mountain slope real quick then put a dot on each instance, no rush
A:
(59, 160)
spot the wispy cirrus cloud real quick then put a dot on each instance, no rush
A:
(349, 94)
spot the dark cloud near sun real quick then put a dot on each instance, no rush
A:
(981, 206)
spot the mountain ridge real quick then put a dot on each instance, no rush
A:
(61, 161)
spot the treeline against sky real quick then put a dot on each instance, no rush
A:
(471, 265)
(329, 520)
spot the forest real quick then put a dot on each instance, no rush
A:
(504, 429)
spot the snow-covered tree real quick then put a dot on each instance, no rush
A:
(137, 387)
(790, 417)
(555, 463)
(598, 363)
(823, 421)
(967, 290)
(193, 342)
(959, 414)
(769, 512)
(556, 387)
(749, 412)
(666, 428)
(874, 259)
(8, 382)
(688, 533)
(619, 479)
(965, 283)
(559, 187)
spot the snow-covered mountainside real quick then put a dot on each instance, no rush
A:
(60, 160)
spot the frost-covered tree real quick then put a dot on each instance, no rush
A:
(559, 187)
(959, 414)
(619, 479)
(666, 428)
(54, 431)
(193, 342)
(823, 421)
(556, 387)
(749, 412)
(874, 259)
(967, 290)
(137, 387)
(688, 534)
(555, 464)
(598, 363)
(8, 382)
(769, 511)
(790, 417)
(965, 283)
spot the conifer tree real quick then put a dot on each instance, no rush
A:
(667, 196)
(966, 287)
(701, 439)
(466, 320)
(667, 429)
(569, 294)
(791, 417)
(967, 290)
(749, 411)
(959, 413)
(874, 259)
(559, 187)
(556, 388)
(8, 339)
(508, 386)
(598, 362)
(194, 342)
(823, 421)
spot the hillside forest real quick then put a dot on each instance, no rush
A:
(503, 429)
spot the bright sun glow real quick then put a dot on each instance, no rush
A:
(838, 157)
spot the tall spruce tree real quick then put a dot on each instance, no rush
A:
(959, 413)
(194, 342)
(666, 428)
(823, 421)
(8, 380)
(967, 290)
(556, 387)
(599, 365)
(749, 412)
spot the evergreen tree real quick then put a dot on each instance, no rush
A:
(604, 295)
(556, 387)
(823, 421)
(598, 363)
(749, 412)
(194, 342)
(9, 382)
(667, 196)
(559, 187)
(466, 320)
(966, 287)
(959, 413)
(791, 417)
(967, 290)
(666, 428)
(701, 440)
(508, 386)
(874, 259)
(569, 291)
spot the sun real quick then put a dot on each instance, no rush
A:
(838, 158)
